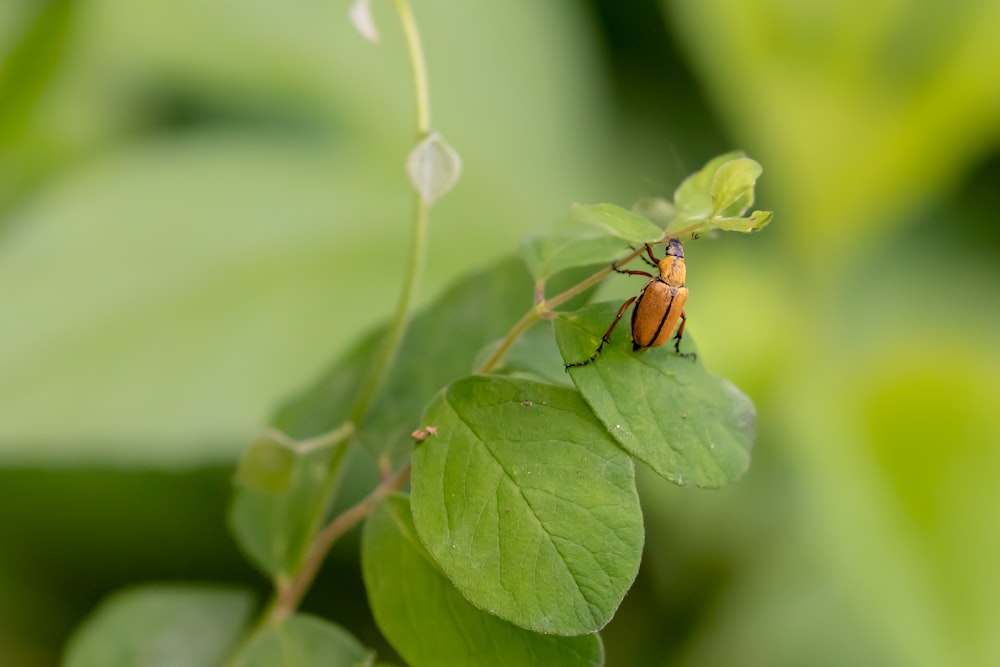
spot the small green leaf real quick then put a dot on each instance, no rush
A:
(303, 640)
(666, 410)
(732, 187)
(429, 622)
(693, 198)
(622, 223)
(268, 465)
(434, 167)
(549, 253)
(753, 223)
(162, 626)
(527, 504)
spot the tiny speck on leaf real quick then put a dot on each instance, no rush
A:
(527, 404)
(422, 434)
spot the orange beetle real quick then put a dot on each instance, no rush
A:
(658, 307)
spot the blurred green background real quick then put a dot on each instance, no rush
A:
(202, 201)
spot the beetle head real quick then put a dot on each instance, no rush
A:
(675, 249)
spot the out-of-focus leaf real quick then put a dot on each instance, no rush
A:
(527, 504)
(268, 465)
(303, 640)
(162, 626)
(434, 167)
(666, 410)
(655, 209)
(429, 622)
(360, 14)
(274, 529)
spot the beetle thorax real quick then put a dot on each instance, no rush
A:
(673, 271)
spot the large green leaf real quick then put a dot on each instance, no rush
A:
(303, 640)
(666, 410)
(429, 622)
(527, 504)
(161, 626)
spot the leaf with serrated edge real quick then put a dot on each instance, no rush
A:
(303, 640)
(527, 504)
(429, 622)
(666, 410)
(619, 221)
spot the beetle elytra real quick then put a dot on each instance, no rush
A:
(658, 307)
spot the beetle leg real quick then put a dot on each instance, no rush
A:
(679, 336)
(649, 251)
(606, 338)
(643, 258)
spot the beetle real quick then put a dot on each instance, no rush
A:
(658, 307)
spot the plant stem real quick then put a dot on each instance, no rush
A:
(394, 336)
(290, 595)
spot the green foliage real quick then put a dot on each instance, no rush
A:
(162, 626)
(666, 410)
(523, 531)
(430, 623)
(304, 641)
(527, 505)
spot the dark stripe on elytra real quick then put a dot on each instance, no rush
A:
(635, 311)
(666, 313)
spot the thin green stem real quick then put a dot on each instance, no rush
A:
(291, 590)
(419, 65)
(390, 346)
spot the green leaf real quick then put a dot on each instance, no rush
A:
(732, 187)
(622, 223)
(268, 465)
(274, 528)
(666, 410)
(548, 253)
(527, 504)
(429, 622)
(305, 641)
(693, 198)
(161, 626)
(439, 346)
